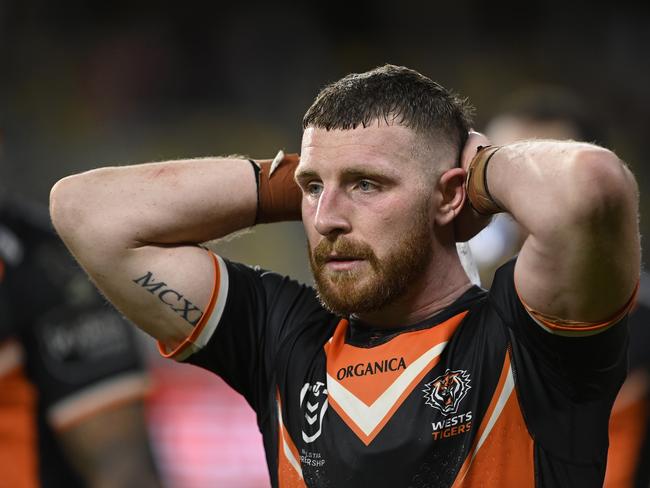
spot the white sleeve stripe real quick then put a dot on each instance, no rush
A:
(211, 318)
(214, 319)
(185, 353)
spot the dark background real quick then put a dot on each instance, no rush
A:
(94, 83)
(85, 84)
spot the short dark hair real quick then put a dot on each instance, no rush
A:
(394, 94)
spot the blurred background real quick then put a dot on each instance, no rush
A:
(86, 84)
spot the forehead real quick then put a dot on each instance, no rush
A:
(376, 145)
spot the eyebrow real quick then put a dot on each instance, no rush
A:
(302, 176)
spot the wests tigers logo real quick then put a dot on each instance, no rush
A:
(446, 392)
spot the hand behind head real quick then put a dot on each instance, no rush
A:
(468, 222)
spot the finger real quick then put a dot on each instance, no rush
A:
(474, 141)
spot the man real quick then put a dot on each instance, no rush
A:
(71, 379)
(553, 112)
(395, 371)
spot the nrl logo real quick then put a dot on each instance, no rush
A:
(446, 392)
(313, 401)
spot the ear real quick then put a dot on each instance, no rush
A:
(451, 195)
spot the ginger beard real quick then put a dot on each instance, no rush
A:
(380, 281)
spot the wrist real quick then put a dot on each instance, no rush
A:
(278, 196)
(476, 184)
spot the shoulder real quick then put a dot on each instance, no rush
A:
(274, 289)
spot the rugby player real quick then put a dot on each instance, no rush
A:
(394, 370)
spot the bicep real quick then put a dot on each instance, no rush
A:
(162, 289)
(585, 269)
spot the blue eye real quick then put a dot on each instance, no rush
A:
(314, 189)
(366, 186)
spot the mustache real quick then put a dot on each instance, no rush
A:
(344, 247)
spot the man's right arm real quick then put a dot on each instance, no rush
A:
(136, 231)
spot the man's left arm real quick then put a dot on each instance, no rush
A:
(579, 204)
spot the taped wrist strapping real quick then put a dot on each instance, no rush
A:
(476, 183)
(278, 196)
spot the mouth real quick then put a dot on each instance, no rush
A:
(342, 262)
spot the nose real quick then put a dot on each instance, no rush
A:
(331, 215)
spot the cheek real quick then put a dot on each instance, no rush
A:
(392, 228)
(308, 224)
(313, 238)
(308, 210)
(386, 221)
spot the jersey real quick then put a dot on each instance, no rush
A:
(479, 394)
(630, 422)
(64, 352)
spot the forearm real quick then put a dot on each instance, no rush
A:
(188, 201)
(135, 225)
(546, 185)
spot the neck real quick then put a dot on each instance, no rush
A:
(444, 281)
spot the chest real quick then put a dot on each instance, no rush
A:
(414, 400)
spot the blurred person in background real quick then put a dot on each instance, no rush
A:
(554, 112)
(395, 370)
(72, 382)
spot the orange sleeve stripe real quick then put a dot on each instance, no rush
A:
(566, 325)
(190, 340)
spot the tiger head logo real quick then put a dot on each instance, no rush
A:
(446, 392)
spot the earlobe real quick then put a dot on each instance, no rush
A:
(451, 188)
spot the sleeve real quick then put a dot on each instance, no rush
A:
(251, 313)
(590, 363)
(566, 385)
(82, 357)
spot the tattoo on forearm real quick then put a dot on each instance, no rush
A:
(170, 297)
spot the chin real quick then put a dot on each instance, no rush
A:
(353, 295)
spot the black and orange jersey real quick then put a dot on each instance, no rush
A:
(480, 394)
(629, 428)
(65, 353)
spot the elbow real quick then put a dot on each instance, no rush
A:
(67, 207)
(62, 209)
(601, 186)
